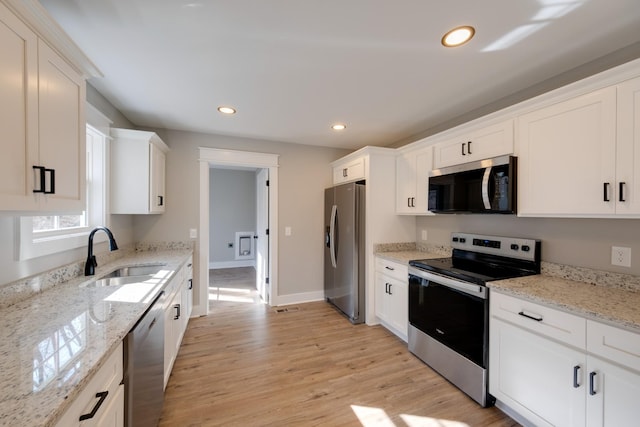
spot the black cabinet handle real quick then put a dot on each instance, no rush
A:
(621, 192)
(102, 396)
(537, 319)
(52, 182)
(344, 172)
(463, 153)
(160, 200)
(469, 147)
(413, 202)
(592, 388)
(576, 369)
(177, 316)
(408, 202)
(390, 268)
(606, 192)
(42, 180)
(390, 293)
(190, 284)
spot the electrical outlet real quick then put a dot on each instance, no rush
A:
(424, 234)
(193, 233)
(621, 256)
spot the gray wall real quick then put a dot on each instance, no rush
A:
(232, 208)
(572, 241)
(304, 173)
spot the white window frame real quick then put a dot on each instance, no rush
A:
(33, 245)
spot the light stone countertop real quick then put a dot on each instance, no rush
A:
(615, 306)
(52, 343)
(403, 257)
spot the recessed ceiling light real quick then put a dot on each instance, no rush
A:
(458, 36)
(227, 110)
(339, 126)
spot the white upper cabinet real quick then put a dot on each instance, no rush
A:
(42, 120)
(478, 144)
(628, 149)
(352, 170)
(412, 181)
(581, 157)
(137, 172)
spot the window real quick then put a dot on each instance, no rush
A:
(48, 234)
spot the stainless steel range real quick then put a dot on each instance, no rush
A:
(449, 305)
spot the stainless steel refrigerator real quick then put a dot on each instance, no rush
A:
(344, 274)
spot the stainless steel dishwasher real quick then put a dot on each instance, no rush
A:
(144, 368)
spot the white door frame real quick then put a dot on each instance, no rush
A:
(212, 157)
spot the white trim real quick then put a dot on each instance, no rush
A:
(99, 121)
(32, 13)
(212, 157)
(300, 298)
(214, 265)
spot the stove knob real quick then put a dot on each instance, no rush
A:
(463, 240)
(455, 239)
(514, 247)
(525, 248)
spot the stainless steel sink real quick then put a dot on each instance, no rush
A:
(135, 270)
(117, 281)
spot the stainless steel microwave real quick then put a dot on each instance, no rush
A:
(486, 186)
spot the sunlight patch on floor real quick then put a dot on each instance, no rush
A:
(377, 417)
(232, 295)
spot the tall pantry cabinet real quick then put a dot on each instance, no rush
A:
(41, 114)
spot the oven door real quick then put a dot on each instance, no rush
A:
(452, 312)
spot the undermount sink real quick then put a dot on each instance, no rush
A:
(126, 275)
(117, 281)
(135, 270)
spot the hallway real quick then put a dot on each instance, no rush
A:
(233, 285)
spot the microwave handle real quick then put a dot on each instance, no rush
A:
(485, 188)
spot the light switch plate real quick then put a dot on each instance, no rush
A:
(287, 231)
(621, 256)
(193, 233)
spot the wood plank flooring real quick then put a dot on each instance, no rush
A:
(248, 365)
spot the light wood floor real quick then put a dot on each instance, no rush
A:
(247, 364)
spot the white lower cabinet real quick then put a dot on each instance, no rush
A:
(177, 311)
(101, 402)
(392, 296)
(556, 369)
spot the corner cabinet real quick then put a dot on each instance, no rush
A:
(42, 168)
(392, 296)
(137, 172)
(412, 181)
(554, 368)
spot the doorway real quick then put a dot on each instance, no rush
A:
(267, 202)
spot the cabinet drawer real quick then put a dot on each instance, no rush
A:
(392, 269)
(613, 343)
(107, 379)
(549, 322)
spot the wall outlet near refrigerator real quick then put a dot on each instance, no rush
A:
(621, 256)
(424, 234)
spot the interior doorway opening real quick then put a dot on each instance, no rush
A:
(265, 167)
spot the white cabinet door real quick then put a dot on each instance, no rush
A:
(172, 333)
(566, 157)
(392, 304)
(18, 113)
(627, 189)
(350, 171)
(535, 376)
(137, 172)
(62, 132)
(612, 399)
(412, 182)
(479, 144)
(157, 184)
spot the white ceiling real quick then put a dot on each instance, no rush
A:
(294, 67)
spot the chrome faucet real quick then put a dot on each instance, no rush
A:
(91, 264)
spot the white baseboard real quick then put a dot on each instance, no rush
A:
(298, 298)
(232, 264)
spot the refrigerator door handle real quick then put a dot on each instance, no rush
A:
(332, 235)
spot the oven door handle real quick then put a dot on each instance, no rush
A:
(467, 288)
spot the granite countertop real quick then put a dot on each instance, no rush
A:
(612, 305)
(404, 257)
(52, 343)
